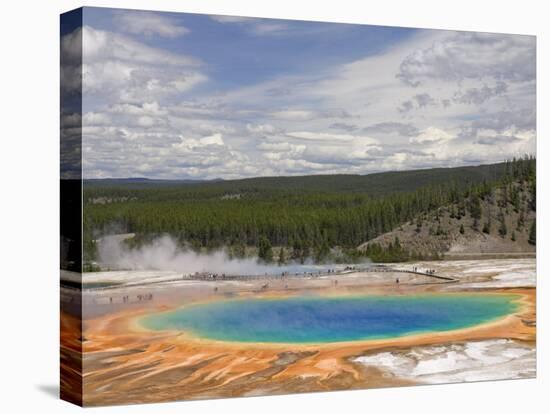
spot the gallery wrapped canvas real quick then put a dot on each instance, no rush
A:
(257, 206)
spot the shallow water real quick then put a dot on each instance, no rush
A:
(332, 319)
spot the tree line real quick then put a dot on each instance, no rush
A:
(307, 221)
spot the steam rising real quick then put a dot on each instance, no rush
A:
(164, 254)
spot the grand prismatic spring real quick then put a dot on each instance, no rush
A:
(307, 319)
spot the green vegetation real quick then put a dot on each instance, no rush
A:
(394, 252)
(309, 216)
(502, 230)
(264, 250)
(282, 257)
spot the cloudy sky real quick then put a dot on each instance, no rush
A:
(183, 96)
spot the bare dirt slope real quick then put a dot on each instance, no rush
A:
(446, 231)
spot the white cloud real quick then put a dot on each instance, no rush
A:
(340, 119)
(121, 69)
(95, 118)
(215, 139)
(329, 137)
(254, 25)
(468, 55)
(430, 135)
(278, 146)
(146, 121)
(293, 115)
(265, 28)
(146, 108)
(100, 45)
(231, 19)
(149, 24)
(261, 128)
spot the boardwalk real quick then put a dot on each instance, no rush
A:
(330, 272)
(213, 277)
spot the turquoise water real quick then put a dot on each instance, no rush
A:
(332, 319)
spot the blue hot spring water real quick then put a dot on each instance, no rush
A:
(332, 319)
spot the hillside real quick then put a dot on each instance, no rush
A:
(309, 216)
(376, 184)
(502, 224)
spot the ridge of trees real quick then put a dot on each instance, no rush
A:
(306, 215)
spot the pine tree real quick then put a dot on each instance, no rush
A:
(322, 251)
(265, 252)
(239, 250)
(397, 243)
(515, 198)
(297, 248)
(282, 258)
(452, 213)
(502, 230)
(475, 207)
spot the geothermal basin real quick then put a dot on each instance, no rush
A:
(327, 319)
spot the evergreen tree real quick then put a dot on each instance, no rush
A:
(282, 259)
(322, 251)
(297, 249)
(475, 207)
(239, 250)
(452, 213)
(397, 243)
(515, 198)
(461, 210)
(265, 252)
(502, 230)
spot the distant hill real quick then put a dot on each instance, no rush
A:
(313, 216)
(141, 182)
(375, 184)
(500, 224)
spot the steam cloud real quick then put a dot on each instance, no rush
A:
(164, 254)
